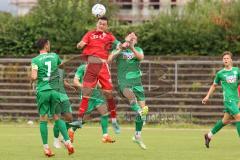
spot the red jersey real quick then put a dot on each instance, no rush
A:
(98, 43)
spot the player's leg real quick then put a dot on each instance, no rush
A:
(43, 110)
(102, 109)
(128, 93)
(139, 93)
(89, 82)
(56, 112)
(234, 111)
(105, 80)
(67, 113)
(217, 127)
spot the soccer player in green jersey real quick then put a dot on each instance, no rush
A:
(97, 101)
(66, 109)
(45, 71)
(129, 81)
(228, 77)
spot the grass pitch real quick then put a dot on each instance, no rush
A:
(22, 142)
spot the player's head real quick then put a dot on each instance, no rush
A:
(134, 38)
(227, 58)
(43, 44)
(102, 24)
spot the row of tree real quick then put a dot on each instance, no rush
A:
(203, 28)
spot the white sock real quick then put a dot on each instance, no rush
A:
(56, 139)
(210, 134)
(68, 142)
(105, 135)
(114, 120)
(45, 146)
(138, 134)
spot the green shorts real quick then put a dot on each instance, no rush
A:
(48, 102)
(231, 107)
(138, 91)
(66, 107)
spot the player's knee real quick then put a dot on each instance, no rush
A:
(108, 94)
(43, 118)
(237, 117)
(68, 117)
(56, 117)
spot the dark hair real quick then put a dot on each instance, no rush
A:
(103, 18)
(41, 43)
(227, 53)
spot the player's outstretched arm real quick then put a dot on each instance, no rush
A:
(68, 85)
(114, 54)
(210, 92)
(81, 44)
(76, 83)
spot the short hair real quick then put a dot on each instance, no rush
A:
(103, 18)
(227, 53)
(41, 43)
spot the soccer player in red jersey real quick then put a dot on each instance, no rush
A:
(96, 45)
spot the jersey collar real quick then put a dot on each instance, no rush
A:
(228, 69)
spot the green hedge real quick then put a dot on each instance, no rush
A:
(203, 28)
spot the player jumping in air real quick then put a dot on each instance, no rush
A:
(45, 71)
(97, 101)
(96, 45)
(129, 82)
(228, 77)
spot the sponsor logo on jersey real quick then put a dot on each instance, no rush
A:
(231, 79)
(128, 55)
(98, 36)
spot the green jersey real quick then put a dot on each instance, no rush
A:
(96, 94)
(128, 67)
(47, 66)
(229, 82)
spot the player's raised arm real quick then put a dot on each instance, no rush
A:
(210, 92)
(138, 53)
(76, 82)
(114, 54)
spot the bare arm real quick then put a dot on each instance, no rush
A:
(34, 74)
(114, 55)
(81, 44)
(138, 55)
(76, 83)
(68, 85)
(33, 77)
(210, 92)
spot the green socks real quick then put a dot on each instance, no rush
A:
(60, 124)
(55, 130)
(138, 123)
(219, 125)
(104, 124)
(238, 128)
(44, 131)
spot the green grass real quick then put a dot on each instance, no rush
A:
(22, 142)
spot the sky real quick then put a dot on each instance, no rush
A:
(6, 6)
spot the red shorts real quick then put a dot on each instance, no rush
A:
(97, 72)
(238, 90)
